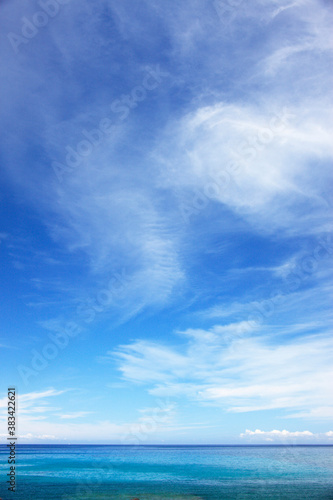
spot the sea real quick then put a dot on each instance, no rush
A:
(77, 472)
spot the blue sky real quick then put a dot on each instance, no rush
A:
(166, 221)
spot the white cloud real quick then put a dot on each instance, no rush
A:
(28, 401)
(229, 152)
(32, 437)
(242, 374)
(107, 207)
(138, 238)
(311, 40)
(29, 436)
(276, 433)
(285, 7)
(45, 423)
(223, 141)
(265, 158)
(286, 437)
(315, 413)
(110, 207)
(77, 414)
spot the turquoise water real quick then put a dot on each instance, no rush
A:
(170, 472)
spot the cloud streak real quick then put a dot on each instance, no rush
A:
(250, 375)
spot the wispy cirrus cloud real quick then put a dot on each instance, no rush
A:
(240, 375)
(34, 406)
(209, 191)
(38, 421)
(76, 414)
(28, 400)
(244, 158)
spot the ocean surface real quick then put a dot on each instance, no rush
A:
(46, 472)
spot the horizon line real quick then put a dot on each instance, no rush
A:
(169, 445)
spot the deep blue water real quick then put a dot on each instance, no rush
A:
(170, 472)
